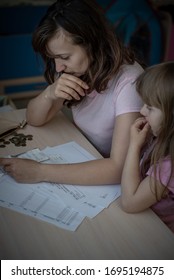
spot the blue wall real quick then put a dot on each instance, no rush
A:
(17, 58)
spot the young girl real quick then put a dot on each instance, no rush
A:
(149, 182)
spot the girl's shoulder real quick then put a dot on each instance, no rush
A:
(164, 173)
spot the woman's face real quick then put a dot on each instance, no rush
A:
(153, 116)
(69, 58)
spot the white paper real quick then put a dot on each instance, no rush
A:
(34, 154)
(22, 198)
(63, 205)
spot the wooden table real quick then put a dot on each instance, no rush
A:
(112, 234)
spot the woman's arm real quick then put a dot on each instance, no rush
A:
(43, 108)
(96, 172)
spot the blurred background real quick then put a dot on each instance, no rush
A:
(146, 25)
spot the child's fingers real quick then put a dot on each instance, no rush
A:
(140, 123)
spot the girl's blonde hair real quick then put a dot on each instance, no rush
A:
(156, 88)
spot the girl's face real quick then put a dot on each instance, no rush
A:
(69, 58)
(153, 116)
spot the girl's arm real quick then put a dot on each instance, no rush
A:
(137, 195)
(96, 172)
(43, 108)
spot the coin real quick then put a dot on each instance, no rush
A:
(2, 146)
(18, 139)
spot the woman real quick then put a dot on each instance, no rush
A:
(91, 72)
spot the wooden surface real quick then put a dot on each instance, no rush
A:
(112, 234)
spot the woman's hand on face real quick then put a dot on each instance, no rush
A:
(22, 170)
(68, 87)
(139, 132)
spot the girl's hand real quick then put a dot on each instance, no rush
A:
(139, 132)
(22, 170)
(67, 87)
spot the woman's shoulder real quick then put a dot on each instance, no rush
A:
(131, 69)
(127, 74)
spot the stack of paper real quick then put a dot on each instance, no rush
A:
(63, 205)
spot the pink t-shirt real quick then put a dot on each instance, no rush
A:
(95, 115)
(165, 207)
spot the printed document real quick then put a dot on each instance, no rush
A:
(63, 205)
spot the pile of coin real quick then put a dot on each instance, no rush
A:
(18, 139)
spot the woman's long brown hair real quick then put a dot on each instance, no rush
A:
(86, 25)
